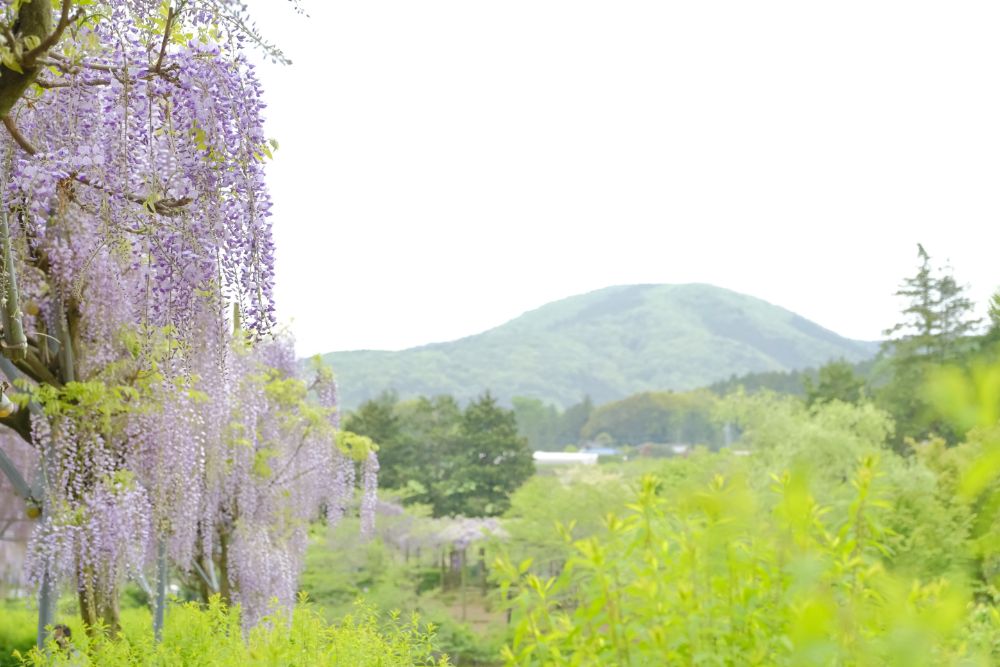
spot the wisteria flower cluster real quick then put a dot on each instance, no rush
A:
(134, 219)
(280, 466)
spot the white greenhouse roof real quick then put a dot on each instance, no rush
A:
(582, 458)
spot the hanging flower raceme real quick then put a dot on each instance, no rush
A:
(283, 469)
(145, 168)
(99, 531)
(132, 180)
(135, 215)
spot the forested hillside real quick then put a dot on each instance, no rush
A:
(606, 345)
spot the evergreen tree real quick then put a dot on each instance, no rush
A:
(992, 337)
(936, 328)
(485, 463)
(573, 420)
(376, 418)
(994, 311)
(428, 426)
(836, 381)
(937, 319)
(539, 423)
(460, 462)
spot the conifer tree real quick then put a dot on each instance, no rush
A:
(936, 328)
(937, 318)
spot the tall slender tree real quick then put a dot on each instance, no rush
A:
(937, 317)
(992, 336)
(936, 328)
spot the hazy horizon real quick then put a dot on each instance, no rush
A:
(568, 296)
(446, 166)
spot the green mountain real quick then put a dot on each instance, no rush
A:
(606, 344)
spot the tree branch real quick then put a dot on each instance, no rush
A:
(171, 14)
(291, 459)
(10, 523)
(45, 83)
(302, 474)
(19, 138)
(30, 58)
(163, 206)
(20, 421)
(200, 571)
(62, 64)
(34, 19)
(144, 584)
(33, 367)
(15, 343)
(10, 470)
(67, 359)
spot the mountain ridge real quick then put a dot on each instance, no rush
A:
(607, 344)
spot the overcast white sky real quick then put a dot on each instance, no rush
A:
(447, 165)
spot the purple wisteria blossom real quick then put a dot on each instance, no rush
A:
(136, 221)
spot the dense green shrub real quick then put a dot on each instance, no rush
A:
(580, 496)
(213, 636)
(732, 575)
(17, 631)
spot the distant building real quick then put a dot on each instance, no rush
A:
(577, 458)
(664, 449)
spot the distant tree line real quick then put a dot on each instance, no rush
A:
(468, 461)
(547, 427)
(664, 417)
(936, 328)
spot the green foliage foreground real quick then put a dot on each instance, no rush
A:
(213, 636)
(728, 575)
(822, 546)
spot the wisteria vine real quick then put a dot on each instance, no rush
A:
(135, 219)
